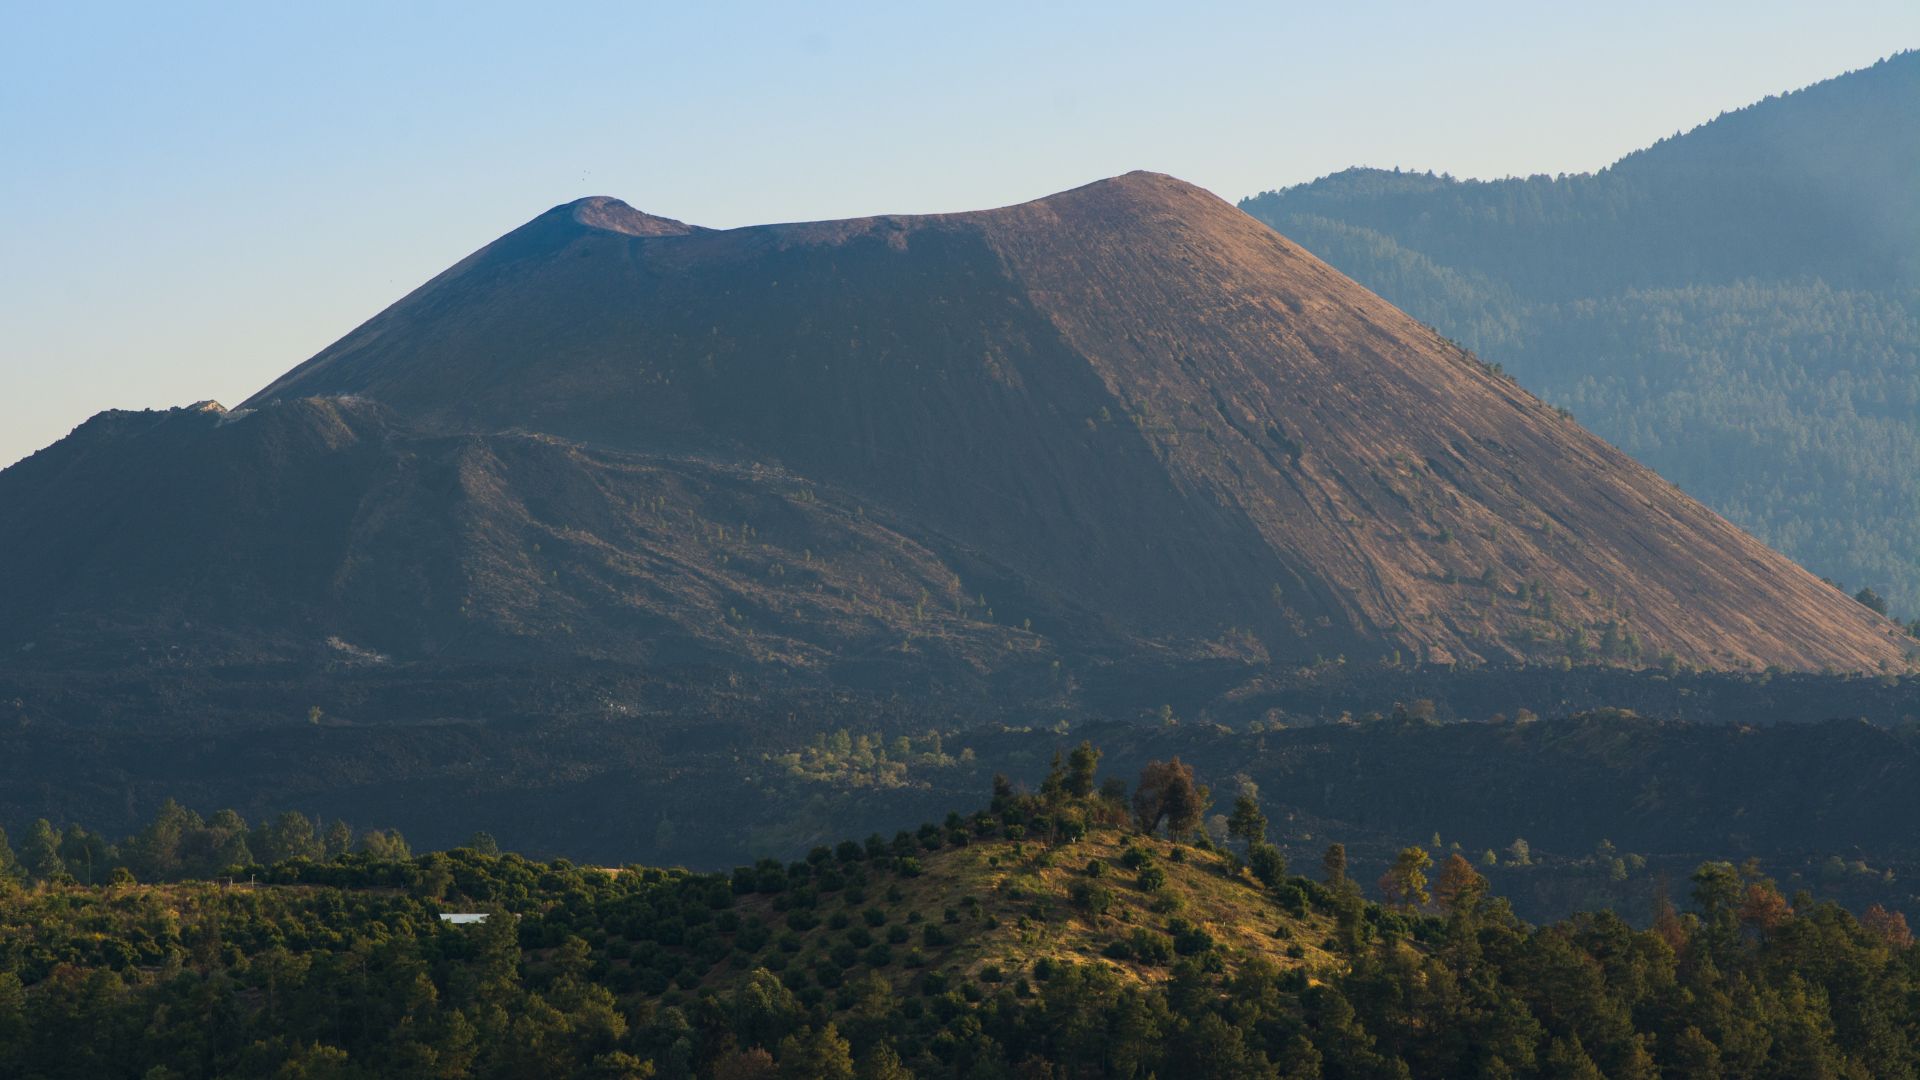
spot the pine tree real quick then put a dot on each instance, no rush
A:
(1247, 823)
(881, 1062)
(1333, 865)
(41, 853)
(290, 836)
(339, 840)
(85, 854)
(1082, 764)
(1405, 882)
(155, 852)
(10, 870)
(387, 845)
(1269, 866)
(810, 1055)
(1002, 793)
(763, 1010)
(1054, 787)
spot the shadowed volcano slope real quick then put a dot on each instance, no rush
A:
(1125, 420)
(323, 528)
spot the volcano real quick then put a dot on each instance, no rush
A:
(1122, 424)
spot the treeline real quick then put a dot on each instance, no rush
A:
(762, 972)
(180, 845)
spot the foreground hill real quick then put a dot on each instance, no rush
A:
(1040, 939)
(1122, 423)
(1738, 307)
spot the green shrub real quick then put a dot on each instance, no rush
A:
(1090, 897)
(1188, 939)
(1149, 947)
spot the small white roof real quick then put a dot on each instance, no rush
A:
(464, 916)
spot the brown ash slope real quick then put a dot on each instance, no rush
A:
(1125, 422)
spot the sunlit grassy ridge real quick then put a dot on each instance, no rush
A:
(1067, 932)
(995, 908)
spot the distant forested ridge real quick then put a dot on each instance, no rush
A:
(1738, 306)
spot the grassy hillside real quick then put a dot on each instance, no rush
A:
(998, 906)
(1046, 936)
(342, 967)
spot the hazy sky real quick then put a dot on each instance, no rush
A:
(193, 198)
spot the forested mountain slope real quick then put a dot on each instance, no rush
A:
(1738, 306)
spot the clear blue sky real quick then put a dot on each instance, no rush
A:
(197, 197)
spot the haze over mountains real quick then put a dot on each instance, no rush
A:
(1122, 423)
(1738, 307)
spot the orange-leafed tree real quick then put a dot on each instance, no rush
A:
(1763, 908)
(1888, 926)
(1460, 886)
(1166, 792)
